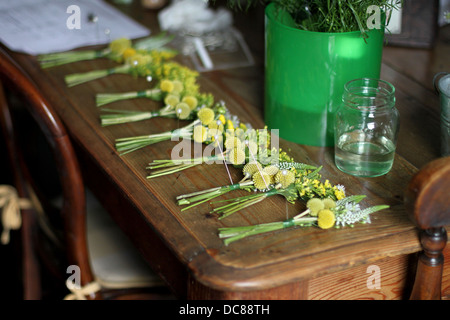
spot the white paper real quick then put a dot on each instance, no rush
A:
(45, 26)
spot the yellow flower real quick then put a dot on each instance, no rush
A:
(216, 125)
(200, 134)
(182, 110)
(139, 59)
(236, 156)
(328, 203)
(230, 125)
(177, 86)
(172, 99)
(284, 178)
(339, 194)
(166, 85)
(251, 167)
(205, 115)
(222, 119)
(191, 101)
(129, 52)
(233, 142)
(314, 205)
(118, 46)
(326, 219)
(261, 180)
(271, 170)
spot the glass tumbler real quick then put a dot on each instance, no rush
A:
(366, 128)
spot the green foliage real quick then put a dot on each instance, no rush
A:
(324, 15)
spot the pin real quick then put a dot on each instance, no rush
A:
(108, 34)
(93, 18)
(224, 160)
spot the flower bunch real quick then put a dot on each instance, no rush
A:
(117, 50)
(178, 89)
(203, 116)
(273, 179)
(138, 63)
(224, 138)
(130, 144)
(323, 213)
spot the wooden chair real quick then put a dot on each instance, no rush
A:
(78, 221)
(427, 200)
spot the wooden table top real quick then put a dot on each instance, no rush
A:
(272, 259)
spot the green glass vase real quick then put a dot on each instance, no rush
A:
(305, 74)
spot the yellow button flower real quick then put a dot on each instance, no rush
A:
(191, 101)
(285, 178)
(172, 99)
(205, 115)
(200, 134)
(177, 86)
(326, 219)
(329, 203)
(236, 156)
(233, 142)
(251, 167)
(261, 180)
(118, 46)
(166, 85)
(182, 110)
(314, 205)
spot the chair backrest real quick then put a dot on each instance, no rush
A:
(427, 200)
(73, 193)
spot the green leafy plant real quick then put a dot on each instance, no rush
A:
(325, 15)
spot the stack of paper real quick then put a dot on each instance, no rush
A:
(45, 26)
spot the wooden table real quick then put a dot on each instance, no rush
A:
(300, 263)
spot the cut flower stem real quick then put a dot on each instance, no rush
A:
(61, 58)
(79, 78)
(199, 197)
(346, 209)
(170, 166)
(125, 116)
(130, 144)
(105, 98)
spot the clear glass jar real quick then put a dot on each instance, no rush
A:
(366, 128)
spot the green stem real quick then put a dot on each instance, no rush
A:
(79, 78)
(237, 233)
(176, 165)
(130, 144)
(125, 116)
(168, 171)
(57, 59)
(105, 98)
(197, 198)
(233, 187)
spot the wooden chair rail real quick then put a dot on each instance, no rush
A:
(428, 204)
